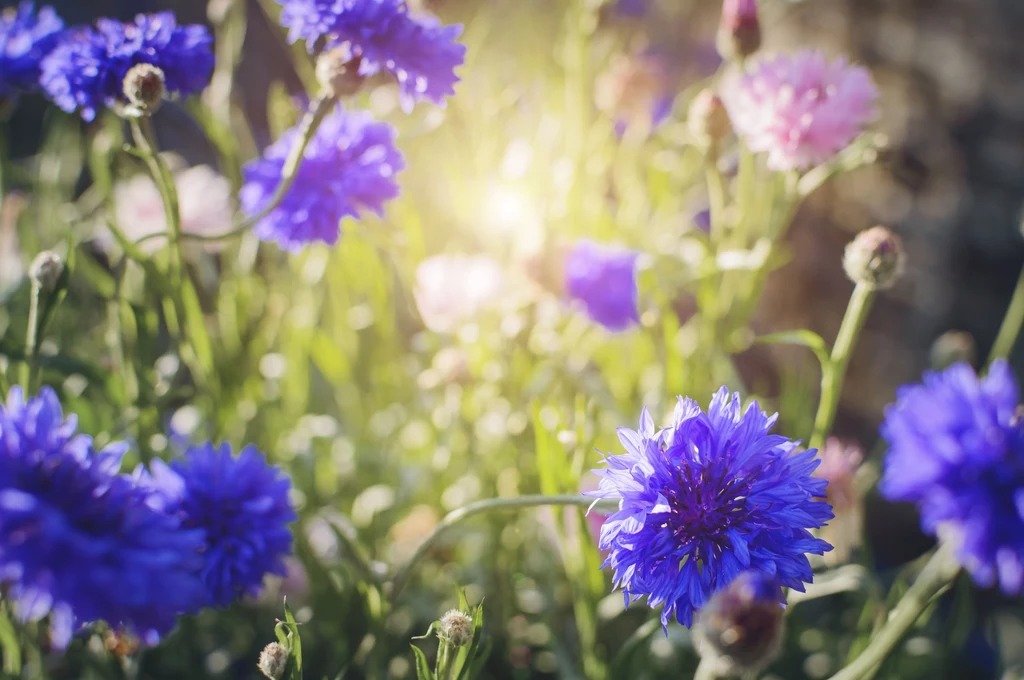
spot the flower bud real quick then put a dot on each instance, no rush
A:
(456, 628)
(337, 71)
(707, 118)
(120, 643)
(953, 347)
(45, 270)
(739, 32)
(145, 87)
(741, 626)
(875, 258)
(273, 661)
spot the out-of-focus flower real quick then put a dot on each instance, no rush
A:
(420, 52)
(456, 628)
(708, 120)
(45, 270)
(602, 280)
(273, 661)
(706, 498)
(80, 542)
(839, 466)
(349, 167)
(12, 269)
(953, 347)
(204, 204)
(452, 290)
(875, 258)
(632, 8)
(741, 626)
(25, 38)
(635, 90)
(957, 452)
(739, 31)
(241, 503)
(800, 109)
(87, 70)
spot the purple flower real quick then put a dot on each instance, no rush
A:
(80, 542)
(420, 52)
(602, 280)
(706, 498)
(957, 452)
(349, 166)
(86, 71)
(800, 109)
(241, 504)
(25, 38)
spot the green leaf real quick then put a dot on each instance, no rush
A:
(433, 625)
(9, 645)
(423, 671)
(467, 662)
(295, 649)
(548, 461)
(803, 338)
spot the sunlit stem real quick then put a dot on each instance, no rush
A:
(833, 372)
(1010, 329)
(30, 367)
(707, 670)
(935, 577)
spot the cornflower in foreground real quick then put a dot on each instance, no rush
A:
(800, 109)
(708, 497)
(26, 36)
(957, 452)
(383, 35)
(87, 70)
(80, 542)
(348, 167)
(602, 280)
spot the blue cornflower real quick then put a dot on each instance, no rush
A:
(80, 542)
(957, 452)
(25, 38)
(602, 280)
(349, 167)
(420, 52)
(241, 503)
(706, 498)
(86, 71)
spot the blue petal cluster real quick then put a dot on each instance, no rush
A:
(25, 38)
(349, 166)
(706, 498)
(241, 504)
(957, 452)
(78, 541)
(420, 52)
(86, 71)
(602, 279)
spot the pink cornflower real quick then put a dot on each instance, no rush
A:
(800, 109)
(840, 464)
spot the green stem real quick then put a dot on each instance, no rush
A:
(935, 577)
(833, 372)
(30, 368)
(1010, 328)
(402, 574)
(707, 670)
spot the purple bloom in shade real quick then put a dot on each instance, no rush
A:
(241, 503)
(702, 220)
(420, 52)
(80, 542)
(957, 452)
(25, 38)
(349, 166)
(800, 109)
(86, 71)
(708, 497)
(602, 280)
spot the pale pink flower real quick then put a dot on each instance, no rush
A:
(452, 290)
(800, 109)
(840, 464)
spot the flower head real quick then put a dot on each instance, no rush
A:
(708, 497)
(957, 452)
(602, 279)
(80, 542)
(349, 166)
(420, 52)
(741, 626)
(739, 31)
(452, 289)
(25, 38)
(87, 70)
(241, 503)
(800, 109)
(456, 628)
(273, 661)
(875, 258)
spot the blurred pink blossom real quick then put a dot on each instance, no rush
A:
(800, 109)
(452, 290)
(840, 464)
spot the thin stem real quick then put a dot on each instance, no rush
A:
(145, 140)
(30, 368)
(935, 577)
(707, 670)
(465, 512)
(1010, 328)
(833, 372)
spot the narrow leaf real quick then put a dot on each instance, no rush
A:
(423, 671)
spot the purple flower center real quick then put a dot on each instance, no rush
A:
(702, 509)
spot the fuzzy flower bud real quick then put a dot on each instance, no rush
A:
(45, 270)
(337, 71)
(741, 626)
(953, 347)
(456, 628)
(739, 32)
(145, 87)
(273, 661)
(875, 258)
(707, 118)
